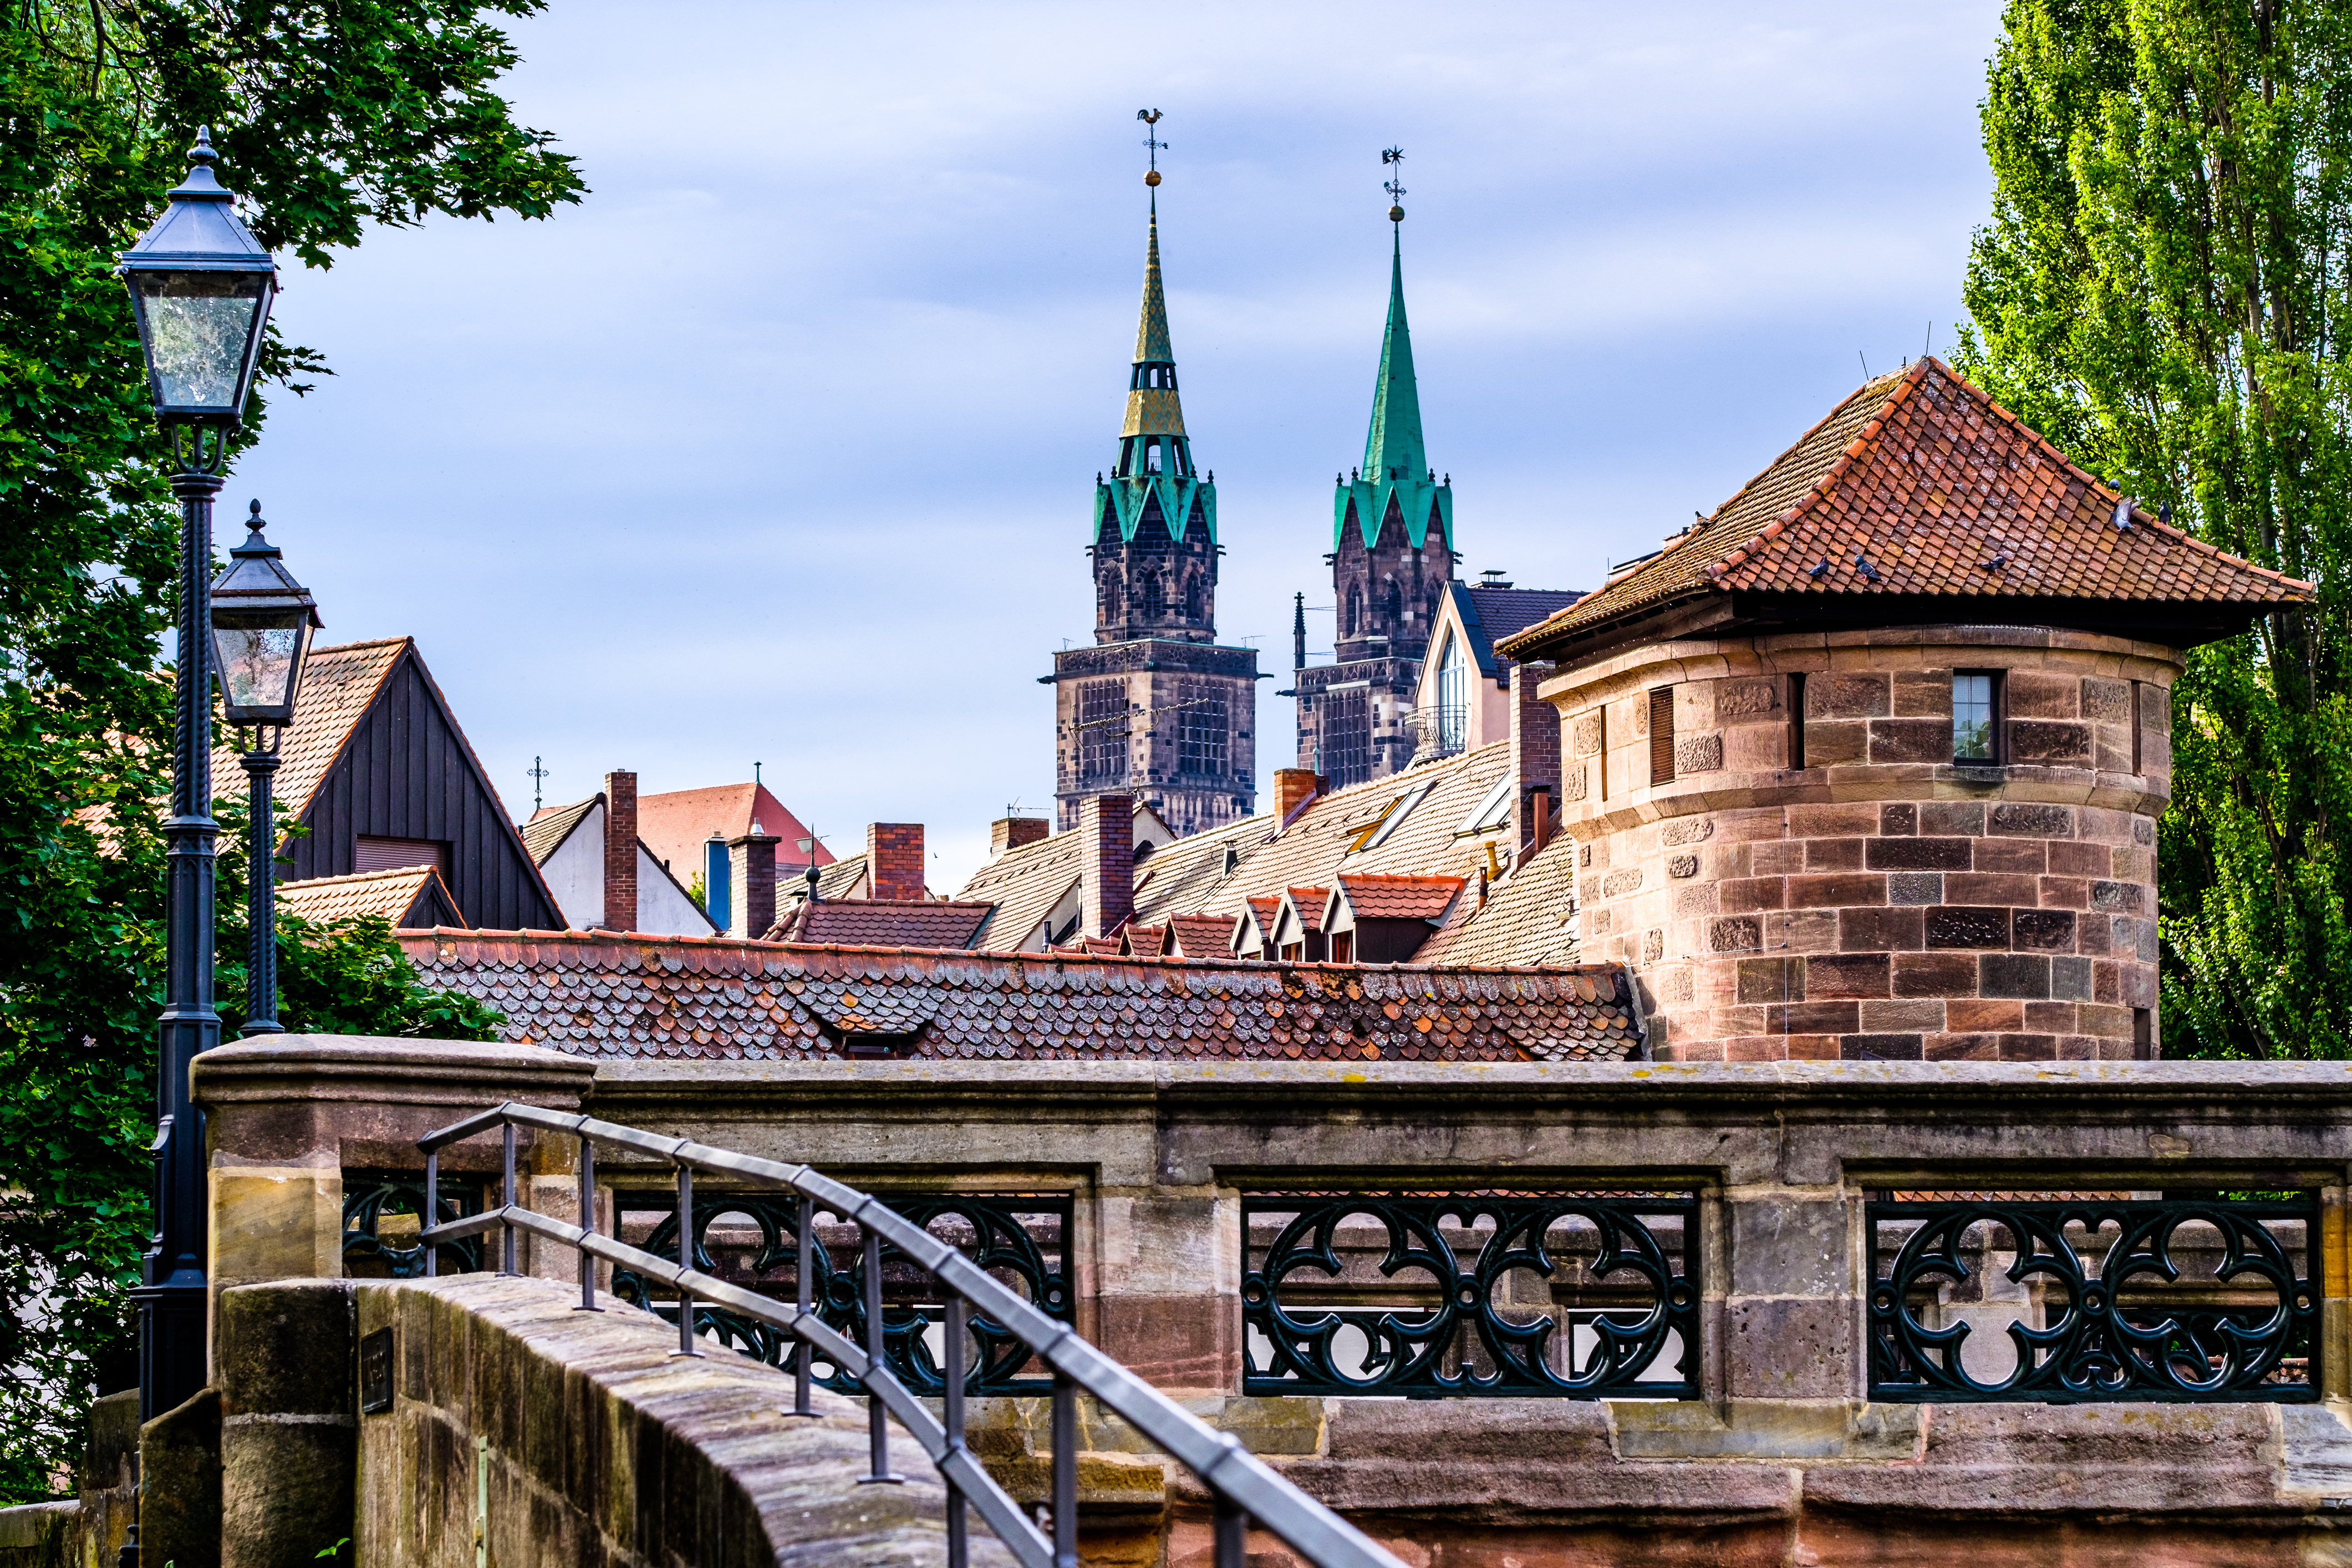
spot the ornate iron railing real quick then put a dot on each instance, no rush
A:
(2108, 1298)
(1576, 1295)
(999, 1233)
(1241, 1486)
(368, 1197)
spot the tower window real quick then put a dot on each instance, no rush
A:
(1203, 731)
(1976, 716)
(1662, 735)
(1347, 750)
(1102, 729)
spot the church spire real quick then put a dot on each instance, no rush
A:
(1396, 475)
(1154, 479)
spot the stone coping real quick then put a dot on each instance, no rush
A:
(381, 1066)
(2176, 1085)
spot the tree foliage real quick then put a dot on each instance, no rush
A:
(2163, 290)
(330, 115)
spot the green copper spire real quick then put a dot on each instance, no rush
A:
(1155, 459)
(1396, 460)
(1393, 446)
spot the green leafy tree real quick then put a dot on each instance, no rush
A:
(329, 117)
(2163, 290)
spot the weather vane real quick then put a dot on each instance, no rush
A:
(538, 772)
(1394, 186)
(1150, 117)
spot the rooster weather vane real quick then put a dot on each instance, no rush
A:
(1150, 117)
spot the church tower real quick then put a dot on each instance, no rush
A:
(1392, 555)
(1155, 707)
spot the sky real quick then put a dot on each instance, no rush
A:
(778, 447)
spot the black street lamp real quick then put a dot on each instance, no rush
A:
(201, 286)
(262, 622)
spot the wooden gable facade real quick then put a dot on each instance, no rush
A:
(377, 770)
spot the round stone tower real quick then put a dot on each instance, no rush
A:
(1870, 764)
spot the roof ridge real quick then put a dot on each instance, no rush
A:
(386, 872)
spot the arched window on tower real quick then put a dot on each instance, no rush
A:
(1355, 610)
(1452, 720)
(1155, 594)
(1393, 604)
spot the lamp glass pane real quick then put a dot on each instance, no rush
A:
(257, 664)
(199, 325)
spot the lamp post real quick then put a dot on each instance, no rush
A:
(262, 622)
(201, 287)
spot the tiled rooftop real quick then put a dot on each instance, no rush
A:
(882, 922)
(1943, 493)
(338, 684)
(595, 994)
(544, 834)
(390, 895)
(1401, 897)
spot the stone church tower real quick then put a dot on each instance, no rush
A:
(1392, 554)
(1155, 707)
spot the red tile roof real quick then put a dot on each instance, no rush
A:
(1201, 936)
(675, 825)
(407, 895)
(1143, 941)
(338, 685)
(597, 994)
(1309, 903)
(1401, 897)
(1945, 494)
(883, 923)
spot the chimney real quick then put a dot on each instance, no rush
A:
(1106, 846)
(1535, 752)
(894, 861)
(1294, 787)
(1012, 832)
(621, 851)
(751, 869)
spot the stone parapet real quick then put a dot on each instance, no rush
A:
(1774, 834)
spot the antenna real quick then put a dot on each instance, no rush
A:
(1394, 184)
(538, 776)
(1866, 363)
(1150, 117)
(1928, 344)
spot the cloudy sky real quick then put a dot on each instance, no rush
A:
(780, 446)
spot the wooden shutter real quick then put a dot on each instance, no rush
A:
(370, 854)
(1662, 735)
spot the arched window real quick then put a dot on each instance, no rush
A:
(1453, 714)
(1355, 610)
(1392, 602)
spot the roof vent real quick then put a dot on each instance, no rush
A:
(1492, 578)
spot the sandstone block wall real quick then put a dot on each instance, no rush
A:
(1881, 901)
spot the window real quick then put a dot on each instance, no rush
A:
(370, 854)
(2143, 1034)
(1343, 947)
(2137, 766)
(1376, 832)
(1201, 728)
(1102, 729)
(1346, 754)
(1453, 714)
(1662, 735)
(1976, 716)
(1797, 723)
(1491, 809)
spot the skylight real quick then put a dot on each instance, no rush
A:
(1489, 812)
(1376, 831)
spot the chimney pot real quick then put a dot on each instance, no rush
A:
(751, 869)
(894, 861)
(1294, 787)
(1012, 832)
(621, 850)
(1106, 880)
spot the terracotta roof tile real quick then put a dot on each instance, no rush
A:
(544, 834)
(391, 895)
(597, 993)
(885, 922)
(1201, 936)
(1399, 898)
(1929, 480)
(338, 684)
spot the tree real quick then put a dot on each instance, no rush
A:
(2163, 290)
(330, 116)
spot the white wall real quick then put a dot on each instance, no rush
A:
(663, 908)
(575, 872)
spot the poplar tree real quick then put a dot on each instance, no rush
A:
(2162, 290)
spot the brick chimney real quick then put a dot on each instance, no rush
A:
(1012, 832)
(621, 851)
(894, 861)
(751, 871)
(1294, 787)
(1106, 847)
(1535, 753)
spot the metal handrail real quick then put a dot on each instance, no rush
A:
(1241, 1486)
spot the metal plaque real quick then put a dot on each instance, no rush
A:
(375, 1372)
